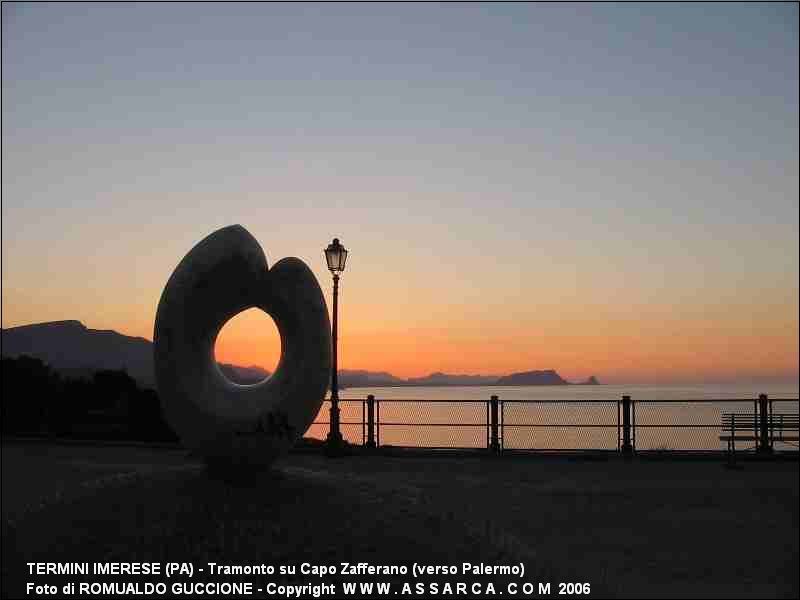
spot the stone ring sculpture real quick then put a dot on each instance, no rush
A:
(224, 422)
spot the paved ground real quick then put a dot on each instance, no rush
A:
(643, 528)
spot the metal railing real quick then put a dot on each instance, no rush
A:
(625, 425)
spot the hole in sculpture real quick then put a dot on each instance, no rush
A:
(248, 347)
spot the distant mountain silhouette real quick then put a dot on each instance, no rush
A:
(75, 350)
(243, 375)
(548, 377)
(361, 378)
(383, 379)
(447, 379)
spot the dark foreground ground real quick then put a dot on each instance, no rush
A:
(645, 528)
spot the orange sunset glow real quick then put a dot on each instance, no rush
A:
(661, 348)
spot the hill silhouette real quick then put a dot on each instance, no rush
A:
(74, 350)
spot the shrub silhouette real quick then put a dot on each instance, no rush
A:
(107, 405)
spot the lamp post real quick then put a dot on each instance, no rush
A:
(335, 256)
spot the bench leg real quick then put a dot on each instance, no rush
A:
(731, 453)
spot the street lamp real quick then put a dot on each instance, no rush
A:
(335, 255)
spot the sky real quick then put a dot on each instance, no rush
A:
(594, 188)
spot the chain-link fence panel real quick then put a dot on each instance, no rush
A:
(432, 423)
(559, 425)
(685, 425)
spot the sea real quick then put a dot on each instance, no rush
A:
(566, 417)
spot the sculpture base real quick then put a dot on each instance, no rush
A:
(335, 444)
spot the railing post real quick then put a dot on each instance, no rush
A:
(627, 447)
(370, 422)
(763, 422)
(494, 444)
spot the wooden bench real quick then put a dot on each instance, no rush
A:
(746, 427)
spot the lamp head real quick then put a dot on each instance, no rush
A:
(336, 256)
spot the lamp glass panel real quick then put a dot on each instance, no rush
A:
(342, 258)
(330, 257)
